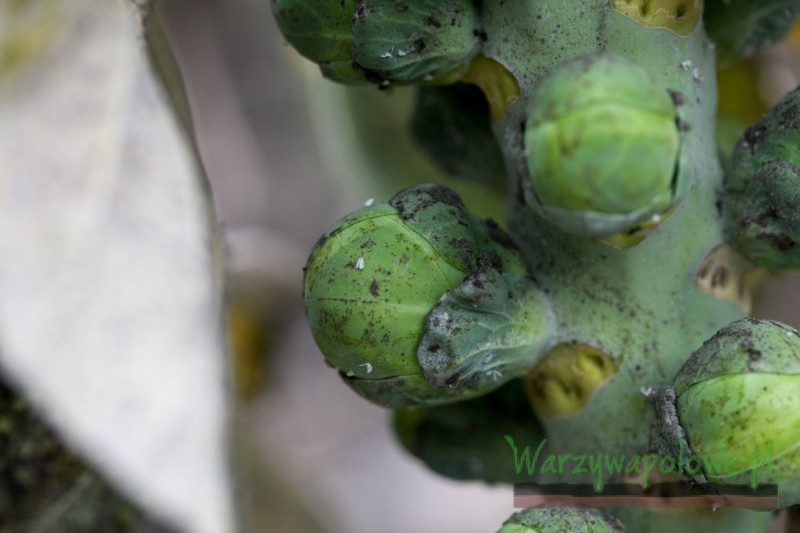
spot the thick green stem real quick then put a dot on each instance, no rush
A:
(639, 305)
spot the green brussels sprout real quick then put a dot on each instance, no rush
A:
(552, 520)
(739, 28)
(737, 403)
(762, 190)
(423, 40)
(321, 30)
(602, 144)
(371, 283)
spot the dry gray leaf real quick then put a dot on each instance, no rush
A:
(110, 318)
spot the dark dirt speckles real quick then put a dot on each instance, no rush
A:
(410, 202)
(499, 236)
(453, 380)
(433, 22)
(790, 115)
(752, 137)
(783, 242)
(753, 354)
(446, 196)
(361, 13)
(677, 98)
(487, 261)
(464, 250)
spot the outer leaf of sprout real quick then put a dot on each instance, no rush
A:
(737, 400)
(319, 29)
(424, 40)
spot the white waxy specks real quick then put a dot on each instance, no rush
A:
(402, 53)
(349, 374)
(368, 366)
(647, 391)
(688, 65)
(494, 374)
(360, 263)
(369, 202)
(655, 219)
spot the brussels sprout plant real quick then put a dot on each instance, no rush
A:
(607, 316)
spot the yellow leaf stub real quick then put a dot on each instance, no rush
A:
(562, 384)
(638, 233)
(681, 17)
(726, 275)
(499, 85)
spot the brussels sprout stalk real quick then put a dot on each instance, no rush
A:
(626, 249)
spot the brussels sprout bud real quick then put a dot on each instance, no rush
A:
(423, 40)
(451, 125)
(372, 281)
(738, 402)
(763, 189)
(739, 28)
(464, 440)
(574, 520)
(602, 144)
(321, 30)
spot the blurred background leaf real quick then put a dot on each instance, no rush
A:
(111, 315)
